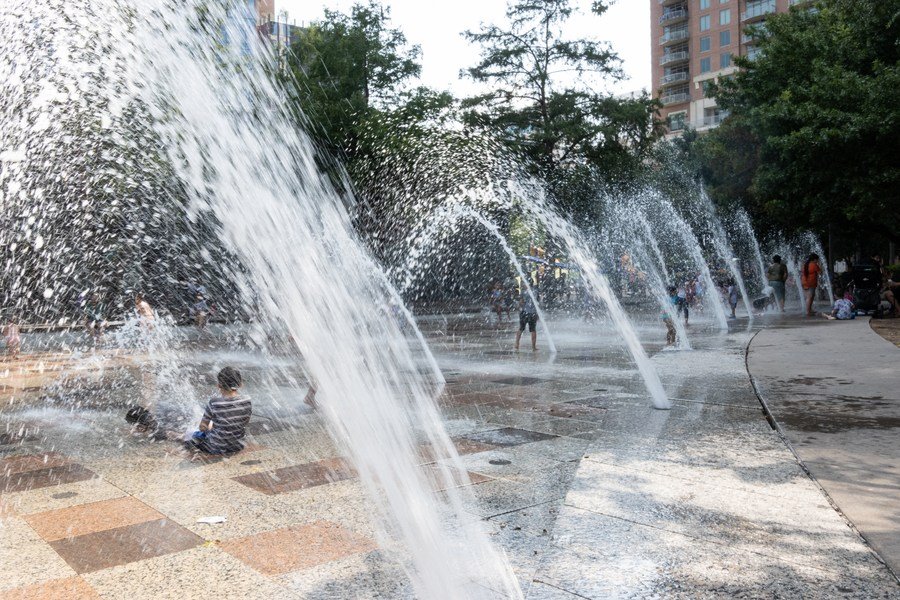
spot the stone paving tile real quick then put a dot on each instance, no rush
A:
(439, 482)
(205, 571)
(288, 479)
(91, 518)
(25, 559)
(60, 496)
(298, 547)
(597, 556)
(508, 436)
(363, 575)
(114, 547)
(796, 530)
(31, 462)
(41, 478)
(70, 588)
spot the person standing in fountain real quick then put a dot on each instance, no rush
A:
(144, 311)
(777, 275)
(681, 302)
(527, 316)
(225, 417)
(13, 338)
(199, 310)
(497, 299)
(809, 278)
(94, 320)
(731, 294)
(671, 332)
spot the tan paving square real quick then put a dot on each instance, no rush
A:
(91, 518)
(70, 588)
(298, 547)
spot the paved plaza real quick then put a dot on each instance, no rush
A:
(589, 491)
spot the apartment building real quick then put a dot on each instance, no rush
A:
(694, 42)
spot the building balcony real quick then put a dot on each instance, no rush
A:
(675, 98)
(670, 58)
(714, 120)
(757, 10)
(673, 16)
(671, 37)
(670, 2)
(673, 78)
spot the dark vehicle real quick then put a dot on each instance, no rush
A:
(866, 285)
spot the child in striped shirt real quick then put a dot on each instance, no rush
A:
(225, 418)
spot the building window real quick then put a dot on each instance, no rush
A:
(676, 121)
(705, 87)
(725, 38)
(725, 16)
(704, 4)
(705, 22)
(704, 44)
(725, 60)
(723, 1)
(705, 65)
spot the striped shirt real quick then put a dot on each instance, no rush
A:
(229, 417)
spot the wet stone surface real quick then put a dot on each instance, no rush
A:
(563, 464)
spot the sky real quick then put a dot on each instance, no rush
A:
(435, 25)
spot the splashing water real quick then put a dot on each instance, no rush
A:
(190, 76)
(453, 217)
(531, 196)
(742, 223)
(671, 219)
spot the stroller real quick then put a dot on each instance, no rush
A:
(866, 282)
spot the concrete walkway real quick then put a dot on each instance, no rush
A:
(834, 388)
(703, 501)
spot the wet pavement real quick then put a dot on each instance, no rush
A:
(834, 388)
(588, 490)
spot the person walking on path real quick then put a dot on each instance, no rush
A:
(809, 279)
(527, 316)
(777, 275)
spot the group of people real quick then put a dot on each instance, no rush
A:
(881, 288)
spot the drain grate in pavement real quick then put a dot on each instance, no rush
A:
(509, 436)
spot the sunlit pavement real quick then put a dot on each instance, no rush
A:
(589, 491)
(834, 390)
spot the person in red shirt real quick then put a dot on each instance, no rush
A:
(809, 278)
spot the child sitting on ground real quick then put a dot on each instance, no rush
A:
(225, 417)
(843, 310)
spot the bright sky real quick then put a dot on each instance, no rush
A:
(436, 25)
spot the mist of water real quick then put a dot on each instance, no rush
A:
(670, 219)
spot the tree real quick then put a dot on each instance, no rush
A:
(345, 67)
(540, 93)
(819, 108)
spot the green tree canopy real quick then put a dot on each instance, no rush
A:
(541, 97)
(817, 110)
(347, 66)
